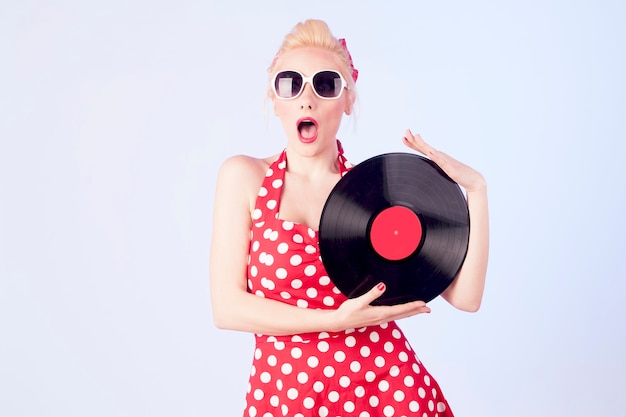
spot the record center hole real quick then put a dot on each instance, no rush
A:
(396, 233)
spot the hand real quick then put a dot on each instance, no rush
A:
(358, 312)
(462, 174)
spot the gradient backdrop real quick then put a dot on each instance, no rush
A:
(115, 116)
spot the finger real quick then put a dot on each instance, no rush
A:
(417, 143)
(410, 140)
(410, 309)
(374, 293)
(412, 306)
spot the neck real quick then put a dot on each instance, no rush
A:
(314, 164)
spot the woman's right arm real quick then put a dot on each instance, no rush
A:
(234, 308)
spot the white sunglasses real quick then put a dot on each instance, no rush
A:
(327, 84)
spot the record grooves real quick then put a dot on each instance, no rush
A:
(395, 218)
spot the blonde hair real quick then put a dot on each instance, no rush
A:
(316, 33)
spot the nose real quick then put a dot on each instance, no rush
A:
(307, 97)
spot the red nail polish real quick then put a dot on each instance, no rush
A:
(381, 286)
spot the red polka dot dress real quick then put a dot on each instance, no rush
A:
(366, 372)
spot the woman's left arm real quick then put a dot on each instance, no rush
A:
(466, 291)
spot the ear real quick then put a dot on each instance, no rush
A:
(349, 104)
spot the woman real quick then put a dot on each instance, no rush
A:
(317, 352)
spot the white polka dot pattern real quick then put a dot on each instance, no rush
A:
(364, 372)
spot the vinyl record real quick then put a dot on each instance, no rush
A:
(395, 218)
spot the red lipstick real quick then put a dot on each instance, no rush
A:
(307, 129)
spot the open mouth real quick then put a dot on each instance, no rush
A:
(307, 129)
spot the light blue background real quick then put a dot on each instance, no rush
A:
(114, 118)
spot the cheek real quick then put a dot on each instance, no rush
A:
(344, 104)
(283, 110)
(337, 111)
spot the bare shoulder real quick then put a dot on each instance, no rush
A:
(242, 175)
(243, 169)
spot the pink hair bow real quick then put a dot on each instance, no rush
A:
(355, 72)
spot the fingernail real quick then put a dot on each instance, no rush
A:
(381, 286)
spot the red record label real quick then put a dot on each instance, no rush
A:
(396, 233)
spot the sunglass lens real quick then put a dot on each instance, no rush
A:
(327, 84)
(288, 84)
